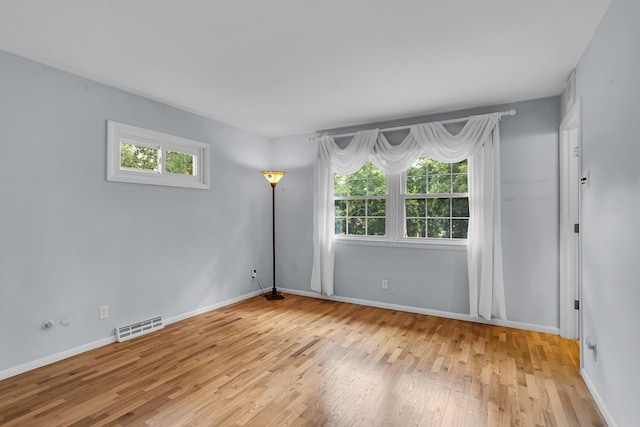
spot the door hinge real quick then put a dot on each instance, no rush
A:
(576, 305)
(576, 228)
(576, 151)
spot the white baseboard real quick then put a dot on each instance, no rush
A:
(34, 364)
(596, 397)
(419, 310)
(202, 310)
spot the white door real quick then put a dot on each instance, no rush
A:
(570, 223)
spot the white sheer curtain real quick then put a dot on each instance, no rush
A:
(478, 141)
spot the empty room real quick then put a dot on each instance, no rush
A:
(336, 213)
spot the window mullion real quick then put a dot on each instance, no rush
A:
(395, 206)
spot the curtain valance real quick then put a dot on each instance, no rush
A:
(478, 141)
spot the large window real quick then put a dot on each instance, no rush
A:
(360, 202)
(429, 202)
(147, 157)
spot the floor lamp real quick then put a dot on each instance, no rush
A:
(273, 177)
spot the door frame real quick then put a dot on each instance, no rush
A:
(570, 146)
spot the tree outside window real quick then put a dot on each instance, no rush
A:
(436, 200)
(360, 202)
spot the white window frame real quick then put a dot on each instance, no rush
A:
(118, 133)
(395, 222)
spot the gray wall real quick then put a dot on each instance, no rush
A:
(437, 278)
(70, 241)
(607, 79)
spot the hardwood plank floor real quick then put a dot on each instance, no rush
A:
(307, 362)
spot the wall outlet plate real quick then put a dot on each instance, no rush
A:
(104, 311)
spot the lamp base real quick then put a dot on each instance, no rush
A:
(273, 295)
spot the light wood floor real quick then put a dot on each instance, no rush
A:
(308, 362)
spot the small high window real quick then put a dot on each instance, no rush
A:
(144, 156)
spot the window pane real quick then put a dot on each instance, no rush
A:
(459, 228)
(436, 167)
(460, 207)
(419, 168)
(417, 185)
(377, 183)
(362, 173)
(460, 184)
(460, 167)
(416, 227)
(433, 217)
(181, 163)
(415, 208)
(438, 228)
(357, 187)
(438, 208)
(361, 205)
(375, 226)
(376, 207)
(439, 184)
(340, 188)
(138, 157)
(356, 226)
(356, 208)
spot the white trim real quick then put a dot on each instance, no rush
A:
(211, 307)
(419, 310)
(34, 364)
(604, 411)
(38, 363)
(118, 133)
(440, 244)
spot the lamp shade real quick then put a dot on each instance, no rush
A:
(273, 176)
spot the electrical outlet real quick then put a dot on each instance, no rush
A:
(104, 311)
(385, 284)
(254, 273)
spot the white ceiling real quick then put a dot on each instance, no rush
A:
(284, 67)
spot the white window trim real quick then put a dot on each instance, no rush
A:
(395, 224)
(122, 133)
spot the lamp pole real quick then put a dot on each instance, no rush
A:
(273, 177)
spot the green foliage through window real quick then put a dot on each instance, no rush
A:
(437, 202)
(138, 157)
(147, 159)
(435, 196)
(179, 163)
(360, 202)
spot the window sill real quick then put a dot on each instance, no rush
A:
(451, 245)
